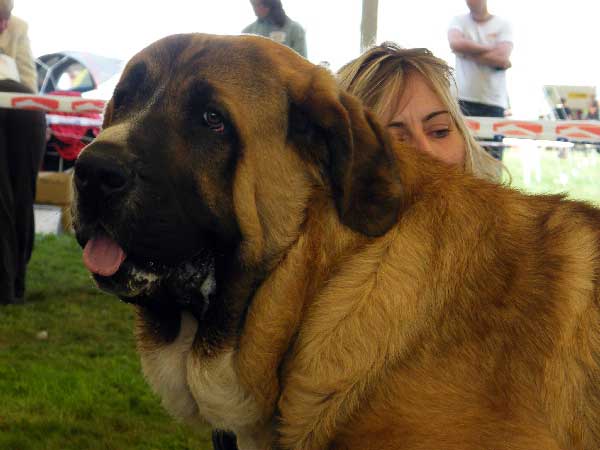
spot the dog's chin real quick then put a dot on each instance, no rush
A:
(187, 284)
(131, 283)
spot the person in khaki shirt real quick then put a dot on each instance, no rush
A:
(22, 145)
(14, 43)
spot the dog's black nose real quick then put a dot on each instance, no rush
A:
(101, 175)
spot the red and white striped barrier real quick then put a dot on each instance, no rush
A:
(482, 127)
(551, 130)
(51, 103)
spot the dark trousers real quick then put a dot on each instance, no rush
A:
(483, 110)
(22, 145)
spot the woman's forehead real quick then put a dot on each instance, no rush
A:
(416, 95)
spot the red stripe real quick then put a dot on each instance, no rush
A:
(473, 124)
(593, 129)
(87, 105)
(533, 127)
(44, 103)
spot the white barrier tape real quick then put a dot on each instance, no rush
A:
(51, 103)
(518, 142)
(53, 119)
(552, 130)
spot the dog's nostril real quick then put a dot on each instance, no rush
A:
(113, 180)
(101, 176)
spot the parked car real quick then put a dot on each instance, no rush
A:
(75, 74)
(75, 71)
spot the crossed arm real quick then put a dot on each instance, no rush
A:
(496, 55)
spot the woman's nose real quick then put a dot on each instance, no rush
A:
(421, 142)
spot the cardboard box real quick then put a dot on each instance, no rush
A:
(66, 220)
(53, 198)
(55, 188)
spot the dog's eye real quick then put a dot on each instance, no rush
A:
(214, 121)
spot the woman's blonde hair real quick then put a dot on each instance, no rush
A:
(377, 77)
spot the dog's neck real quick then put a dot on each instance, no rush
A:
(297, 277)
(286, 294)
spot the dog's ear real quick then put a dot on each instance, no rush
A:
(108, 113)
(358, 160)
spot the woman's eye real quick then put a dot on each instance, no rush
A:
(398, 135)
(214, 121)
(439, 134)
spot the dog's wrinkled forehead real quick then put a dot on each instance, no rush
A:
(248, 67)
(249, 77)
(182, 56)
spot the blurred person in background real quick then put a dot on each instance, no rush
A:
(482, 43)
(592, 112)
(410, 91)
(563, 112)
(22, 144)
(272, 22)
(14, 44)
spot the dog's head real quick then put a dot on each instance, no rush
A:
(210, 152)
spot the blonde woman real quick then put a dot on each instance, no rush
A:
(410, 90)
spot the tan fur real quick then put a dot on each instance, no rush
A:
(471, 323)
(377, 334)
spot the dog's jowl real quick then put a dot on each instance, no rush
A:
(302, 284)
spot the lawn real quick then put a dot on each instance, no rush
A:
(81, 387)
(572, 171)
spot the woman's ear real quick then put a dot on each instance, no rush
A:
(360, 163)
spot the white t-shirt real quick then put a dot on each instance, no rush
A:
(477, 82)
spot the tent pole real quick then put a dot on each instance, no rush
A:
(368, 25)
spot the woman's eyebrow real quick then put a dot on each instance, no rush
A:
(434, 114)
(431, 115)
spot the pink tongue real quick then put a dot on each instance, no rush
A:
(103, 256)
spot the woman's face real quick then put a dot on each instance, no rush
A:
(422, 120)
(260, 9)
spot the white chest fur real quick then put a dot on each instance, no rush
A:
(191, 387)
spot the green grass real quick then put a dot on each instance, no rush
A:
(574, 172)
(82, 387)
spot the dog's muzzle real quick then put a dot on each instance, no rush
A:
(103, 183)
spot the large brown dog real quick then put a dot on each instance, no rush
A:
(300, 286)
